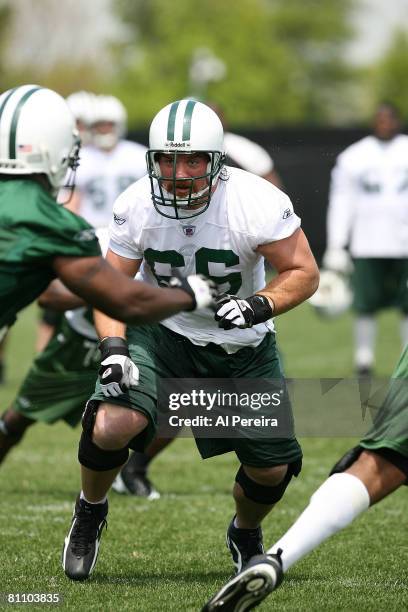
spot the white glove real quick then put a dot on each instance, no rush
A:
(117, 372)
(203, 290)
(337, 260)
(232, 312)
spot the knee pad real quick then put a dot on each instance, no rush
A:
(95, 458)
(347, 460)
(262, 494)
(92, 456)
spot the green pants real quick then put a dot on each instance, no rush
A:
(160, 353)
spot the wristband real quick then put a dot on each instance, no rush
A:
(261, 307)
(113, 345)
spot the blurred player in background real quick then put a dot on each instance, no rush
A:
(368, 213)
(365, 475)
(82, 106)
(246, 154)
(109, 163)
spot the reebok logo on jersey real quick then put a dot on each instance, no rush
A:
(286, 213)
(119, 220)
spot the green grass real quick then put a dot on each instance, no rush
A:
(170, 554)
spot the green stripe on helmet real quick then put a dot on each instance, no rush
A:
(6, 99)
(172, 120)
(14, 121)
(187, 119)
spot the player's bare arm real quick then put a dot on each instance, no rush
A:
(114, 293)
(106, 326)
(297, 272)
(58, 297)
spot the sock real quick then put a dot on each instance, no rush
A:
(138, 462)
(82, 496)
(404, 331)
(339, 500)
(365, 330)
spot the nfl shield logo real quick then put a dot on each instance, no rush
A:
(189, 230)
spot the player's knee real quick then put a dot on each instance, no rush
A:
(347, 460)
(270, 484)
(13, 425)
(91, 456)
(115, 426)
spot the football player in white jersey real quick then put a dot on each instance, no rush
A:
(194, 214)
(109, 163)
(368, 213)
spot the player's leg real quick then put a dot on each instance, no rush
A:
(55, 388)
(12, 428)
(133, 478)
(368, 287)
(337, 502)
(256, 491)
(103, 450)
(364, 476)
(109, 429)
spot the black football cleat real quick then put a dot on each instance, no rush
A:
(133, 479)
(81, 545)
(243, 544)
(245, 591)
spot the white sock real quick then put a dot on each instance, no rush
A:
(365, 331)
(82, 496)
(339, 500)
(404, 331)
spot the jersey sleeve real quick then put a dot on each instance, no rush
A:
(275, 219)
(121, 239)
(59, 232)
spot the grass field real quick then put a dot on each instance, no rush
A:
(170, 554)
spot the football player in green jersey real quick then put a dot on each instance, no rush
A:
(40, 240)
(365, 475)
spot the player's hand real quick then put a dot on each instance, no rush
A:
(203, 290)
(117, 373)
(337, 260)
(234, 312)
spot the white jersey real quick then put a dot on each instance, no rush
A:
(247, 154)
(103, 175)
(245, 212)
(368, 206)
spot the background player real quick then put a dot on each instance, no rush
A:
(368, 211)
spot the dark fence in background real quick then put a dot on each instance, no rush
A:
(304, 158)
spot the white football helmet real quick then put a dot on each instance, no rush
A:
(82, 105)
(333, 297)
(37, 134)
(183, 127)
(108, 109)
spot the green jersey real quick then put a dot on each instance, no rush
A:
(34, 230)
